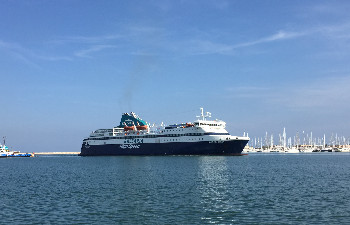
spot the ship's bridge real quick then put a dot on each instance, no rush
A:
(210, 123)
(217, 126)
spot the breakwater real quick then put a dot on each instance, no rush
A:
(57, 153)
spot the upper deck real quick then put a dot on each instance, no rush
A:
(200, 127)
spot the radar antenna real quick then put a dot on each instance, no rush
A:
(208, 114)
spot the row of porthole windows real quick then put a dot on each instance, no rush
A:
(215, 125)
(187, 134)
(180, 129)
(192, 139)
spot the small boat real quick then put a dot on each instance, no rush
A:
(6, 152)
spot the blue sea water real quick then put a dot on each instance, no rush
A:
(252, 189)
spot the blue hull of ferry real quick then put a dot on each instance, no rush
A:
(175, 148)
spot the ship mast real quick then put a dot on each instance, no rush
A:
(202, 114)
(208, 114)
(284, 138)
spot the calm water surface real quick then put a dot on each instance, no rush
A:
(253, 189)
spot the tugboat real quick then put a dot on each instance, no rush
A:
(6, 152)
(134, 136)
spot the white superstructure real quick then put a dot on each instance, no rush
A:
(212, 131)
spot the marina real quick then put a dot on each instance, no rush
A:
(304, 143)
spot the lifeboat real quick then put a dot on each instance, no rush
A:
(189, 125)
(144, 127)
(126, 128)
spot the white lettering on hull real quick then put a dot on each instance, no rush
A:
(129, 146)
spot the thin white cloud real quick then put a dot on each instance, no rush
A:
(328, 33)
(22, 58)
(142, 53)
(202, 47)
(8, 45)
(135, 36)
(18, 53)
(27, 55)
(280, 35)
(86, 39)
(86, 53)
(220, 4)
(160, 40)
(126, 33)
(209, 47)
(30, 57)
(249, 92)
(336, 32)
(54, 58)
(329, 8)
(139, 30)
(248, 88)
(326, 94)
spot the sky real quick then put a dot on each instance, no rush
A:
(73, 66)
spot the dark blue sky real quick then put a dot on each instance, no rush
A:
(70, 67)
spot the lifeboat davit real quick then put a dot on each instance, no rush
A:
(126, 128)
(144, 127)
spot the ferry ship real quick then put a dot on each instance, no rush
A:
(134, 136)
